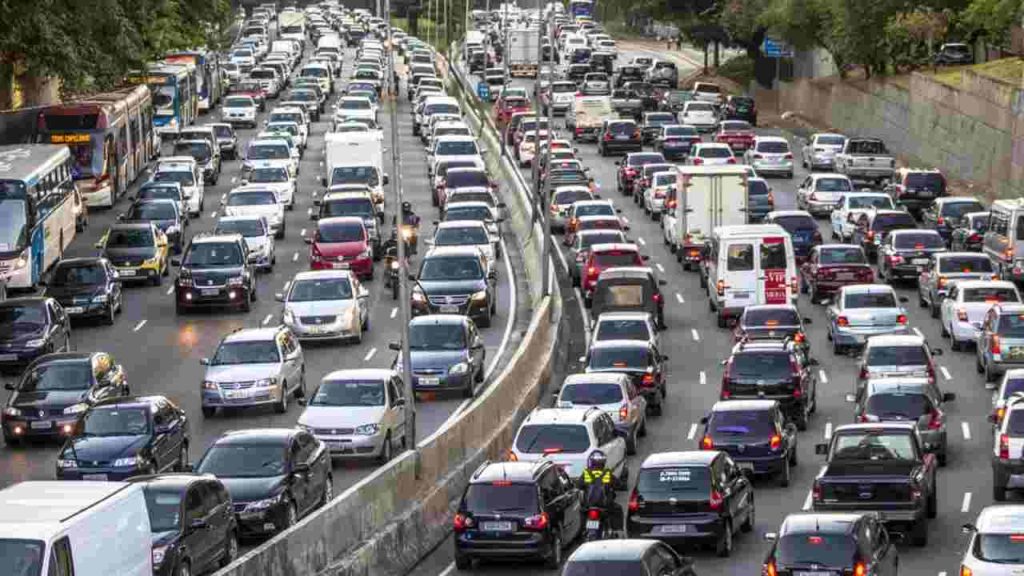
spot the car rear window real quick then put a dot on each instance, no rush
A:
(914, 355)
(795, 223)
(636, 160)
(773, 147)
(816, 549)
(842, 256)
(771, 317)
(604, 567)
(1011, 325)
(869, 201)
(735, 125)
(964, 264)
(591, 394)
(884, 222)
(613, 259)
(991, 295)
(958, 209)
(735, 423)
(553, 438)
(570, 196)
(833, 185)
(1000, 548)
(760, 365)
(622, 330)
(898, 405)
(918, 241)
(932, 181)
(620, 357)
(622, 127)
(679, 482)
(699, 106)
(467, 178)
(487, 498)
(870, 300)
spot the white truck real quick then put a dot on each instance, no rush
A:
(704, 198)
(523, 51)
(292, 26)
(356, 159)
(73, 527)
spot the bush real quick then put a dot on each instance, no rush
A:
(739, 69)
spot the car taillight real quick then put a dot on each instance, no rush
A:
(770, 569)
(863, 373)
(842, 321)
(634, 501)
(799, 337)
(720, 286)
(758, 157)
(935, 422)
(776, 442)
(607, 136)
(537, 522)
(1004, 447)
(624, 412)
(894, 259)
(647, 380)
(902, 319)
(816, 492)
(871, 235)
(974, 237)
(706, 443)
(594, 514)
(461, 522)
(995, 347)
(859, 569)
(630, 172)
(731, 161)
(579, 131)
(794, 284)
(698, 161)
(716, 500)
(941, 221)
(592, 271)
(961, 315)
(656, 297)
(789, 156)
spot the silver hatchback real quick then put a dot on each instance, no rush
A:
(254, 367)
(861, 311)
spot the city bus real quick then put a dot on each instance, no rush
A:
(581, 8)
(37, 211)
(209, 85)
(111, 138)
(175, 101)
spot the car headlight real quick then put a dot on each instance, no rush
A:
(76, 408)
(210, 385)
(12, 412)
(154, 261)
(21, 262)
(236, 281)
(102, 298)
(66, 464)
(288, 316)
(417, 295)
(394, 265)
(266, 383)
(458, 369)
(158, 555)
(480, 296)
(126, 462)
(406, 233)
(36, 343)
(263, 504)
(367, 430)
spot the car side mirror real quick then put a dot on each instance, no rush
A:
(904, 299)
(808, 321)
(300, 468)
(9, 386)
(174, 262)
(204, 361)
(770, 536)
(851, 398)
(662, 282)
(307, 239)
(703, 420)
(936, 351)
(396, 346)
(949, 397)
(821, 449)
(279, 297)
(386, 178)
(968, 528)
(664, 358)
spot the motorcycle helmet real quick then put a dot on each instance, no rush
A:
(406, 208)
(597, 460)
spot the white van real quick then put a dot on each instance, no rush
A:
(75, 528)
(748, 265)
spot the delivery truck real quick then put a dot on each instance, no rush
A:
(355, 159)
(523, 51)
(704, 198)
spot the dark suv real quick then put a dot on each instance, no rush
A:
(772, 370)
(638, 359)
(215, 271)
(740, 108)
(629, 169)
(619, 136)
(755, 434)
(514, 510)
(837, 543)
(455, 280)
(875, 225)
(905, 253)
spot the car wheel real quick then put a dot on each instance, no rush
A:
(724, 547)
(920, 300)
(792, 457)
(990, 375)
(108, 318)
(748, 524)
(463, 562)
(230, 550)
(554, 560)
(643, 428)
(919, 533)
(158, 279)
(282, 405)
(998, 489)
(182, 457)
(291, 515)
(209, 411)
(784, 475)
(631, 443)
(385, 450)
(184, 569)
(933, 309)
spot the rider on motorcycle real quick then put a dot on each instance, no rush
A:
(598, 480)
(409, 226)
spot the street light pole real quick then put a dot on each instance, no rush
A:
(540, 197)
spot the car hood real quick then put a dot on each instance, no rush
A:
(244, 490)
(104, 448)
(435, 359)
(241, 372)
(340, 248)
(452, 287)
(69, 294)
(49, 399)
(341, 416)
(320, 307)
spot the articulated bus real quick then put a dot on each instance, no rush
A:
(209, 85)
(37, 211)
(111, 138)
(173, 88)
(581, 8)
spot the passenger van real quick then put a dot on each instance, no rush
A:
(747, 265)
(73, 527)
(1004, 239)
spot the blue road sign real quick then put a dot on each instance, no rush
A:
(773, 48)
(483, 91)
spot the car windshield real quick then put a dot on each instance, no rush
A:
(57, 376)
(773, 147)
(318, 289)
(699, 107)
(1000, 548)
(461, 235)
(965, 264)
(833, 185)
(851, 255)
(362, 207)
(553, 438)
(872, 445)
(756, 317)
(238, 102)
(164, 507)
(268, 175)
(246, 352)
(990, 295)
(152, 211)
(114, 421)
(334, 233)
(563, 87)
(497, 497)
(682, 482)
(761, 366)
(625, 329)
(213, 255)
(223, 131)
(355, 175)
(455, 148)
(79, 275)
(610, 358)
(739, 423)
(268, 152)
(680, 131)
(248, 228)
(468, 213)
(440, 336)
(131, 238)
(616, 259)
(455, 269)
(796, 223)
(21, 557)
(714, 152)
(869, 300)
(896, 356)
(466, 179)
(898, 405)
(349, 393)
(235, 460)
(958, 209)
(355, 104)
(1011, 325)
(260, 198)
(918, 241)
(592, 394)
(826, 550)
(183, 177)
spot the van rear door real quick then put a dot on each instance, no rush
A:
(739, 274)
(773, 264)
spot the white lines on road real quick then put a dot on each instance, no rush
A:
(822, 377)
(966, 506)
(943, 573)
(679, 298)
(945, 373)
(966, 429)
(695, 334)
(660, 267)
(234, 179)
(807, 502)
(267, 319)
(828, 430)
(394, 311)
(170, 290)
(451, 567)
(370, 354)
(295, 257)
(703, 378)
(302, 233)
(213, 214)
(642, 241)
(139, 326)
(918, 332)
(693, 431)
(625, 220)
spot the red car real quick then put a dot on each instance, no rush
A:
(603, 257)
(578, 223)
(504, 108)
(629, 169)
(739, 135)
(341, 243)
(832, 266)
(252, 89)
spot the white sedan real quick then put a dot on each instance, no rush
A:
(967, 303)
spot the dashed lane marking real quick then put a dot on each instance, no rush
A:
(966, 506)
(693, 431)
(679, 298)
(945, 373)
(966, 428)
(170, 290)
(828, 430)
(918, 332)
(822, 377)
(267, 318)
(703, 378)
(369, 354)
(660, 267)
(807, 502)
(139, 326)
(642, 241)
(295, 257)
(394, 312)
(695, 334)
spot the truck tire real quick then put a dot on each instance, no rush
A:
(919, 533)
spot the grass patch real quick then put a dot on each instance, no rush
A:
(949, 77)
(739, 69)
(1009, 70)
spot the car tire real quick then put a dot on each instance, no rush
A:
(977, 365)
(921, 302)
(631, 442)
(463, 562)
(108, 318)
(291, 515)
(919, 533)
(230, 550)
(328, 493)
(723, 549)
(281, 406)
(385, 450)
(784, 476)
(933, 308)
(932, 505)
(182, 458)
(722, 320)
(209, 411)
(954, 344)
(643, 428)
(183, 569)
(554, 560)
(748, 524)
(998, 489)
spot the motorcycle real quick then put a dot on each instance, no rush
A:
(392, 267)
(598, 525)
(411, 237)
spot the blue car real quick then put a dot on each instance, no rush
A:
(754, 435)
(760, 200)
(801, 227)
(446, 353)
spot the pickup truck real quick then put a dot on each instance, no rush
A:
(627, 103)
(880, 467)
(866, 159)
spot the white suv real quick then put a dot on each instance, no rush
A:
(994, 546)
(568, 437)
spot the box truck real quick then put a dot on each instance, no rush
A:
(356, 159)
(704, 198)
(523, 51)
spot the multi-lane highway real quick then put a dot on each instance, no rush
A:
(161, 351)
(696, 346)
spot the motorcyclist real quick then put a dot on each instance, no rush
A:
(410, 225)
(600, 493)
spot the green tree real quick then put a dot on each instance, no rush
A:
(992, 19)
(743, 21)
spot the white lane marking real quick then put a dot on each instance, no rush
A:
(295, 257)
(287, 285)
(213, 214)
(451, 568)
(394, 311)
(660, 267)
(918, 332)
(302, 232)
(679, 298)
(807, 502)
(642, 241)
(510, 280)
(267, 319)
(822, 377)
(139, 326)
(693, 431)
(966, 429)
(966, 506)
(625, 220)
(234, 179)
(370, 354)
(943, 573)
(828, 430)
(170, 290)
(703, 378)
(945, 373)
(695, 334)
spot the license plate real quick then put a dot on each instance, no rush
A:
(746, 466)
(449, 309)
(339, 265)
(75, 309)
(315, 329)
(210, 291)
(235, 394)
(804, 573)
(8, 357)
(335, 444)
(593, 524)
(123, 272)
(621, 137)
(496, 526)
(847, 276)
(41, 425)
(673, 529)
(741, 295)
(96, 477)
(429, 381)
(919, 261)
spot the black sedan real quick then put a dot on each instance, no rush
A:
(29, 328)
(275, 476)
(838, 543)
(124, 437)
(755, 434)
(638, 359)
(56, 390)
(86, 288)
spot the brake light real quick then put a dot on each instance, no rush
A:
(789, 156)
(994, 347)
(894, 259)
(461, 522)
(552, 450)
(935, 422)
(961, 315)
(657, 297)
(799, 337)
(974, 237)
(698, 161)
(593, 514)
(816, 492)
(731, 161)
(902, 319)
(607, 136)
(776, 442)
(538, 522)
(758, 156)
(624, 413)
(720, 287)
(634, 501)
(859, 569)
(1004, 447)
(941, 221)
(592, 271)
(716, 500)
(770, 569)
(648, 380)
(871, 235)
(706, 443)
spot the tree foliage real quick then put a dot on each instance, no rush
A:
(992, 18)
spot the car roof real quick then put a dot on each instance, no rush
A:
(614, 550)
(507, 471)
(886, 425)
(253, 334)
(966, 284)
(81, 261)
(322, 275)
(439, 319)
(461, 224)
(866, 288)
(360, 374)
(282, 435)
(617, 246)
(1001, 519)
(680, 458)
(132, 226)
(341, 220)
(596, 378)
(446, 251)
(896, 340)
(820, 175)
(819, 523)
(212, 238)
(639, 316)
(911, 385)
(130, 401)
(895, 233)
(784, 213)
(744, 405)
(620, 344)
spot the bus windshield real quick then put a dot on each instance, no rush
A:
(13, 216)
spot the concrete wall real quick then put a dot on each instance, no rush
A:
(975, 133)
